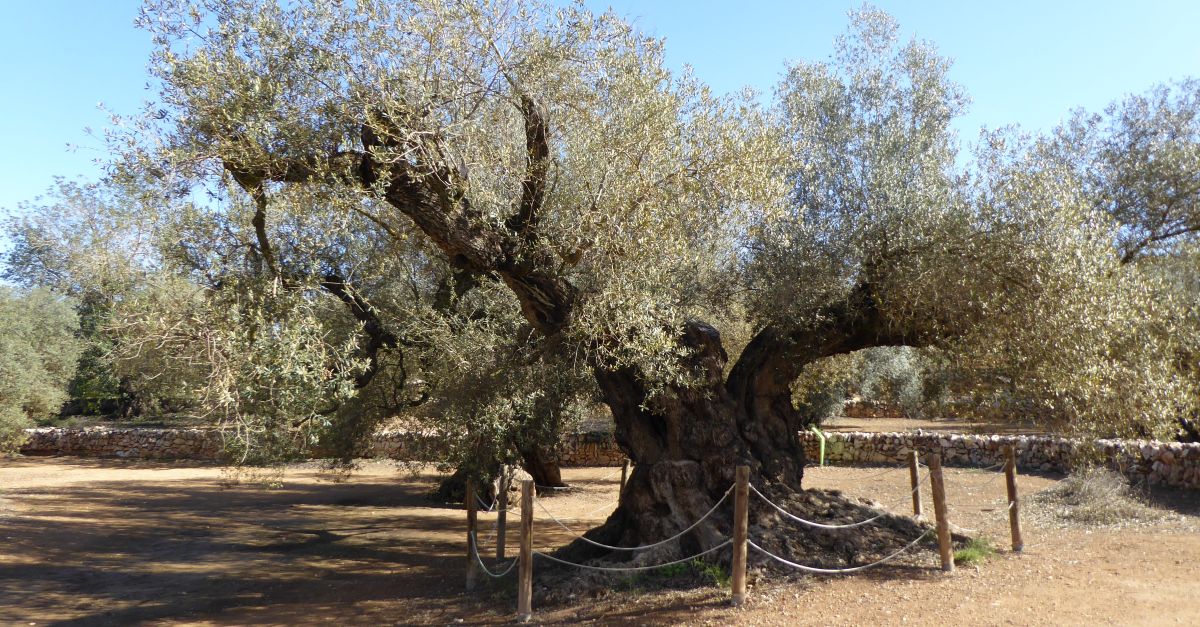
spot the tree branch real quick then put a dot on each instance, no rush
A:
(533, 187)
(378, 336)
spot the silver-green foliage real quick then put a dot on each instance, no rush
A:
(662, 203)
(38, 354)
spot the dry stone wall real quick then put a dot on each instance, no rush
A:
(139, 443)
(576, 449)
(1143, 461)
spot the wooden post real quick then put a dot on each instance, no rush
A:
(939, 511)
(525, 575)
(914, 477)
(624, 474)
(502, 513)
(1014, 507)
(741, 524)
(472, 536)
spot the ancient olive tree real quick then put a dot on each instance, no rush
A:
(550, 156)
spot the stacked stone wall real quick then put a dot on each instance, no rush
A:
(576, 449)
(133, 443)
(1143, 461)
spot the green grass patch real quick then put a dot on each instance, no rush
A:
(976, 551)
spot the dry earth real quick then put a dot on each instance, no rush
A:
(110, 542)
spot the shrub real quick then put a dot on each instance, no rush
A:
(1094, 497)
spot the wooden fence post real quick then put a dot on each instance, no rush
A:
(525, 575)
(1014, 507)
(939, 511)
(472, 536)
(914, 477)
(741, 522)
(502, 512)
(624, 475)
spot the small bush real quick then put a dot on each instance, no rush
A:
(1094, 496)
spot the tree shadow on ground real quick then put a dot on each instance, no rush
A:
(122, 552)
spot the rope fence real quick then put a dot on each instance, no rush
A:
(739, 541)
(839, 571)
(632, 569)
(643, 547)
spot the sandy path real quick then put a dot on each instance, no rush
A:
(112, 542)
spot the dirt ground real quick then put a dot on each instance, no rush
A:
(89, 542)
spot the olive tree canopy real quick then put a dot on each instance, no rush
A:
(547, 162)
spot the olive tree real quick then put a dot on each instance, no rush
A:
(38, 354)
(547, 156)
(90, 243)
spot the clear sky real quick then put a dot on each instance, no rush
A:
(1022, 61)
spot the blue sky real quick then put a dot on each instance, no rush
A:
(1022, 61)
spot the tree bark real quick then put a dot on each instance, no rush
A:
(686, 445)
(543, 468)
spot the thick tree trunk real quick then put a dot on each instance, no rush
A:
(686, 445)
(543, 468)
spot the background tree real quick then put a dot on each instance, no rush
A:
(1139, 162)
(38, 354)
(89, 243)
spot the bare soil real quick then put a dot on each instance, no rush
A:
(95, 542)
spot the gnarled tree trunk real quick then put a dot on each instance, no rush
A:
(686, 446)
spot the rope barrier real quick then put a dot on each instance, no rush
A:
(479, 560)
(809, 523)
(487, 508)
(986, 482)
(637, 548)
(873, 476)
(835, 571)
(598, 509)
(554, 488)
(818, 525)
(995, 523)
(614, 569)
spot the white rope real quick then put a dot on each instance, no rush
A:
(998, 517)
(835, 571)
(817, 525)
(637, 548)
(911, 492)
(610, 475)
(989, 480)
(872, 476)
(487, 508)
(479, 560)
(810, 523)
(598, 509)
(613, 569)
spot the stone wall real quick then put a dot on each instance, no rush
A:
(1151, 462)
(593, 448)
(1155, 463)
(576, 449)
(198, 444)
